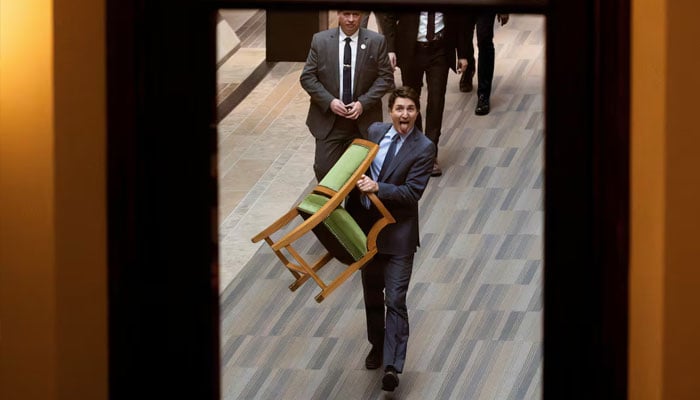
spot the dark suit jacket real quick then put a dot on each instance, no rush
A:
(321, 79)
(401, 31)
(400, 189)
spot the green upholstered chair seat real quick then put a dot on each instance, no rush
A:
(338, 229)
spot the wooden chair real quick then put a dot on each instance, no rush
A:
(322, 213)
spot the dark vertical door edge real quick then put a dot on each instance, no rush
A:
(586, 200)
(162, 207)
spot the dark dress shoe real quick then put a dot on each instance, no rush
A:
(390, 380)
(465, 82)
(436, 170)
(482, 106)
(374, 359)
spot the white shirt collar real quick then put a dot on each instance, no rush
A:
(354, 36)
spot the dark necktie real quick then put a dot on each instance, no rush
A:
(385, 165)
(389, 156)
(347, 73)
(431, 26)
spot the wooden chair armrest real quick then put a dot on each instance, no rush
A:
(385, 220)
(275, 226)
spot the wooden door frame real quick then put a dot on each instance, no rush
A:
(162, 187)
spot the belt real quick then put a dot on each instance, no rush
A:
(429, 45)
(439, 38)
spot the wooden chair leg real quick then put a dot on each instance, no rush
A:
(308, 270)
(284, 259)
(304, 277)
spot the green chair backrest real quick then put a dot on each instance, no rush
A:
(345, 167)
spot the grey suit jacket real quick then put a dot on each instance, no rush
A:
(400, 189)
(321, 79)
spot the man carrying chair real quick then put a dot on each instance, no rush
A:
(398, 176)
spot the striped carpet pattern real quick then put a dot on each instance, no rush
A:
(475, 300)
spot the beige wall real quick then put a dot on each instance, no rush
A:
(53, 316)
(665, 218)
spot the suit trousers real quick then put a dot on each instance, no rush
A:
(431, 61)
(487, 53)
(330, 149)
(388, 327)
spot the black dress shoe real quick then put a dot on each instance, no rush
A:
(374, 359)
(390, 380)
(465, 82)
(437, 171)
(482, 106)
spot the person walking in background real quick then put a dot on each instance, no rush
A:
(484, 23)
(424, 43)
(398, 175)
(379, 19)
(346, 74)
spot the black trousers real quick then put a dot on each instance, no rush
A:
(484, 23)
(329, 150)
(430, 61)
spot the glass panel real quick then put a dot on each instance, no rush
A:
(475, 295)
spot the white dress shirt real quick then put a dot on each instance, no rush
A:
(423, 25)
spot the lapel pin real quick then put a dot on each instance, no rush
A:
(362, 46)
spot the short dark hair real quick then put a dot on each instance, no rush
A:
(406, 93)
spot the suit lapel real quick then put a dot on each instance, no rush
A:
(332, 44)
(361, 55)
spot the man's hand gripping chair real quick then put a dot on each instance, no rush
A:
(322, 213)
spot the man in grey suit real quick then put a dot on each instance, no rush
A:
(346, 97)
(399, 182)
